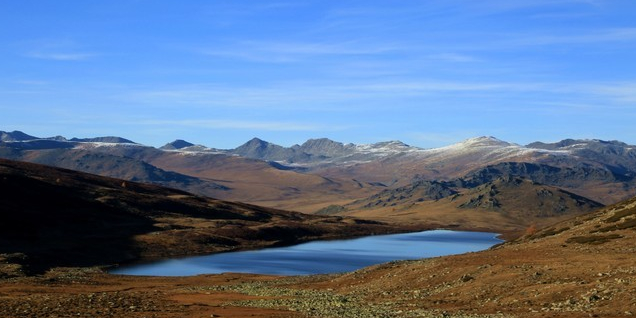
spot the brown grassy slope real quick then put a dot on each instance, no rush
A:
(61, 217)
(258, 182)
(582, 267)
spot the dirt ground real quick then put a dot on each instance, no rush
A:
(91, 293)
(512, 281)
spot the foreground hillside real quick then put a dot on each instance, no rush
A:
(53, 217)
(582, 267)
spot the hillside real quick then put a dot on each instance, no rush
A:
(53, 217)
(109, 164)
(582, 267)
(264, 183)
(503, 204)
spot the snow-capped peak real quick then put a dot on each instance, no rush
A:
(485, 141)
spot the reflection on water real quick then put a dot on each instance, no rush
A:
(322, 257)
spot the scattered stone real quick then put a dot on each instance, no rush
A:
(466, 278)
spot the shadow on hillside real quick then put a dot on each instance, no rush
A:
(59, 226)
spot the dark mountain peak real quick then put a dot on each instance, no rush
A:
(259, 149)
(15, 136)
(177, 144)
(256, 142)
(324, 147)
(557, 145)
(577, 143)
(319, 141)
(106, 139)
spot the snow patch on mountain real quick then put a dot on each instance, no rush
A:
(386, 148)
(483, 148)
(93, 145)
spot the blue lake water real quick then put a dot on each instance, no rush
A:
(322, 257)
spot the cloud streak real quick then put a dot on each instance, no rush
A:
(287, 52)
(331, 96)
(55, 50)
(243, 125)
(599, 36)
(60, 56)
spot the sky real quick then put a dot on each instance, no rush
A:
(220, 72)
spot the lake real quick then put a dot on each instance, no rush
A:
(322, 257)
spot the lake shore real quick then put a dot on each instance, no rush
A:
(322, 257)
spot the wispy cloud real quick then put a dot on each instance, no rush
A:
(441, 86)
(624, 92)
(278, 52)
(243, 125)
(55, 49)
(330, 96)
(584, 37)
(319, 96)
(60, 56)
(453, 57)
(345, 99)
(31, 82)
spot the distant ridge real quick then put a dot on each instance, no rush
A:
(259, 149)
(604, 171)
(325, 147)
(177, 144)
(107, 139)
(15, 136)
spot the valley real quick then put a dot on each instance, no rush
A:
(580, 267)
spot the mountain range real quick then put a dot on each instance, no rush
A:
(347, 178)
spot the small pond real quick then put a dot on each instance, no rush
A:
(322, 257)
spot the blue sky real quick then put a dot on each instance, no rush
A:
(218, 73)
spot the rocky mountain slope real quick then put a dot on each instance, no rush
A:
(53, 217)
(511, 203)
(108, 163)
